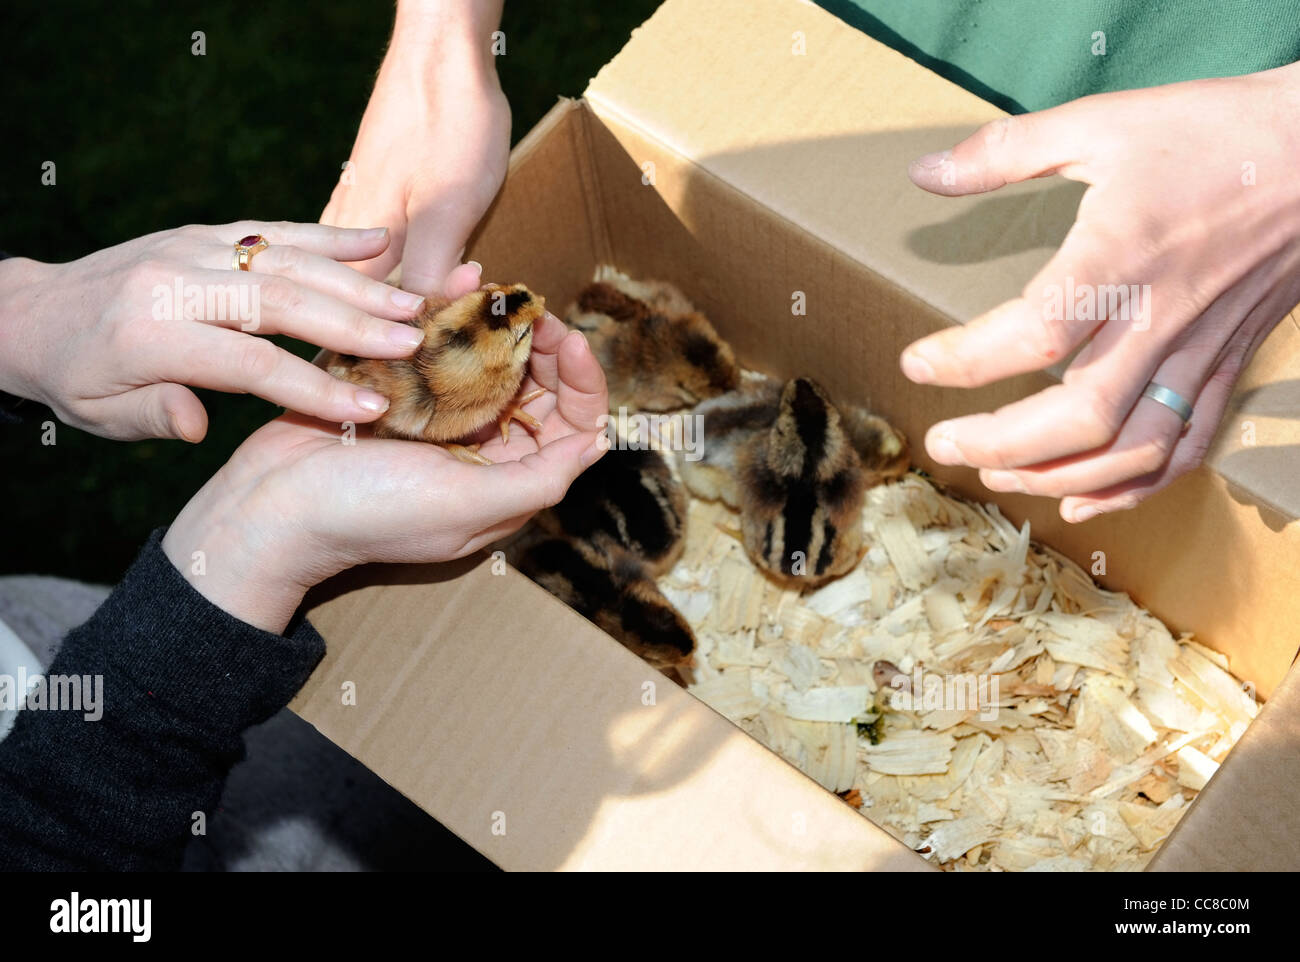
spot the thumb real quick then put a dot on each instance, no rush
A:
(538, 480)
(436, 232)
(1006, 151)
(160, 411)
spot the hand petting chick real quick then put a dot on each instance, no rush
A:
(628, 499)
(658, 352)
(782, 455)
(611, 588)
(466, 374)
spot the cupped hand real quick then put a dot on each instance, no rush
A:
(301, 500)
(432, 148)
(112, 340)
(1188, 242)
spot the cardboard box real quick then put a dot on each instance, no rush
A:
(714, 153)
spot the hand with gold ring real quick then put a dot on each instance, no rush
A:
(113, 342)
(292, 506)
(1184, 255)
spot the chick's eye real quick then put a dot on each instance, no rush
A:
(523, 333)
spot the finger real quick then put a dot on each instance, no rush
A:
(336, 243)
(254, 303)
(221, 360)
(436, 231)
(1208, 408)
(1143, 445)
(1009, 149)
(1150, 432)
(537, 480)
(156, 411)
(1079, 291)
(463, 279)
(1186, 455)
(1104, 381)
(581, 399)
(544, 362)
(327, 276)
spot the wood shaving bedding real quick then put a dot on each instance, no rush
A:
(971, 692)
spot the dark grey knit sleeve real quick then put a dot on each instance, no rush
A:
(182, 680)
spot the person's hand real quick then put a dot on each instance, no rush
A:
(296, 503)
(110, 341)
(1193, 199)
(433, 144)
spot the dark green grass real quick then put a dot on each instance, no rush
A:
(147, 136)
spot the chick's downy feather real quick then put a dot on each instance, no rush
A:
(785, 458)
(658, 352)
(464, 374)
(629, 499)
(613, 590)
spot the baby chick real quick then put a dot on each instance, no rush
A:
(658, 352)
(465, 374)
(615, 591)
(782, 456)
(628, 499)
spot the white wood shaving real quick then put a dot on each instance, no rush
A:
(1103, 727)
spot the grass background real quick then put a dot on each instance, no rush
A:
(147, 136)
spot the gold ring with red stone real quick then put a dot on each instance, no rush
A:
(245, 248)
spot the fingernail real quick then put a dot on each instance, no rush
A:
(477, 266)
(1085, 513)
(407, 301)
(370, 401)
(931, 161)
(1005, 481)
(376, 231)
(941, 446)
(917, 369)
(403, 335)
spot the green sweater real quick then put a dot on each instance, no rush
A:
(1029, 54)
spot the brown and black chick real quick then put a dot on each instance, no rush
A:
(782, 456)
(614, 590)
(464, 375)
(628, 499)
(658, 352)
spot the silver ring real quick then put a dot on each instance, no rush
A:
(1170, 399)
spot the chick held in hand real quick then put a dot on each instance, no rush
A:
(628, 499)
(614, 590)
(659, 353)
(782, 455)
(465, 375)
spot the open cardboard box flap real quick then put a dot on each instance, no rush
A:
(712, 152)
